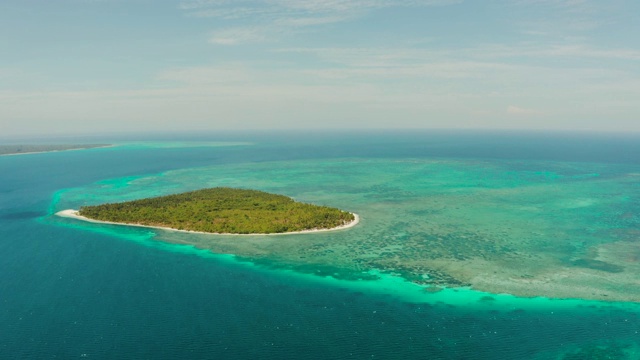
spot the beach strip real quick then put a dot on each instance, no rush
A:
(57, 150)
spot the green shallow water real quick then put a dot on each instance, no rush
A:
(539, 229)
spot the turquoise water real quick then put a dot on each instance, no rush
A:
(451, 223)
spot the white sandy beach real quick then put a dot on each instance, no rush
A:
(71, 213)
(52, 151)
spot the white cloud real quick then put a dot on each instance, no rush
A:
(483, 62)
(307, 6)
(195, 76)
(588, 52)
(563, 18)
(227, 14)
(277, 17)
(309, 21)
(520, 111)
(567, 50)
(255, 95)
(239, 35)
(569, 6)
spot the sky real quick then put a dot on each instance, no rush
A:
(112, 66)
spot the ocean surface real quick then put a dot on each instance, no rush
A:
(436, 207)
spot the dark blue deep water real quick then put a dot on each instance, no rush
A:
(67, 293)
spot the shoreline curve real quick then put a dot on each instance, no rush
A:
(55, 151)
(73, 214)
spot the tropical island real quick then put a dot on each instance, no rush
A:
(34, 149)
(220, 210)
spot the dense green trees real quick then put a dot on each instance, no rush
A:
(222, 210)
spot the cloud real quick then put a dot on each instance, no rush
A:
(227, 14)
(309, 21)
(588, 52)
(257, 95)
(208, 75)
(488, 62)
(519, 111)
(562, 18)
(277, 17)
(296, 6)
(575, 7)
(233, 36)
(551, 51)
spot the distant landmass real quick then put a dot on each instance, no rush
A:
(30, 149)
(221, 210)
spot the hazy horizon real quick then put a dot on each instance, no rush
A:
(239, 134)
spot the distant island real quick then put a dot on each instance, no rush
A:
(34, 149)
(220, 210)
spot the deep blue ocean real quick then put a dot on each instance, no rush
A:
(67, 292)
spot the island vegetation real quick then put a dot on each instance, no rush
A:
(29, 149)
(222, 210)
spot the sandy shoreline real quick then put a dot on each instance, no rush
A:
(73, 214)
(52, 151)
